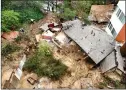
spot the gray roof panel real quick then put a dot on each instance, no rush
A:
(95, 42)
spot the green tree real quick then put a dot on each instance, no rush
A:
(10, 20)
(27, 9)
(68, 14)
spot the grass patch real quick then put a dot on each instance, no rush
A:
(44, 64)
(8, 49)
(22, 37)
(114, 83)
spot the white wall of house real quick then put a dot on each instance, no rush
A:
(121, 5)
(115, 21)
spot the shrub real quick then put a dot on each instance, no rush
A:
(68, 14)
(10, 20)
(8, 49)
(18, 39)
(44, 64)
(27, 9)
(27, 14)
(23, 37)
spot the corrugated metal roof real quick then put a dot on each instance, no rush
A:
(95, 42)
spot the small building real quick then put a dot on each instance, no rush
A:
(116, 26)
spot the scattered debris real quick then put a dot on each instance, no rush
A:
(46, 26)
(22, 62)
(45, 83)
(83, 83)
(120, 61)
(113, 62)
(113, 75)
(48, 35)
(31, 80)
(23, 81)
(56, 29)
(61, 39)
(38, 37)
(101, 13)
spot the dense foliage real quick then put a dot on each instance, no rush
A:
(18, 12)
(10, 20)
(44, 64)
(77, 8)
(68, 14)
(27, 9)
(27, 14)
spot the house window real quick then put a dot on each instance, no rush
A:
(122, 18)
(111, 28)
(113, 32)
(120, 15)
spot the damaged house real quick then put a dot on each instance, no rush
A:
(95, 42)
(98, 45)
(116, 29)
(103, 48)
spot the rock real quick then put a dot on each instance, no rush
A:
(83, 83)
(45, 83)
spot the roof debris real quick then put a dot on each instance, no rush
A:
(95, 42)
(101, 13)
(113, 61)
(47, 35)
(45, 27)
(119, 59)
(61, 39)
(108, 63)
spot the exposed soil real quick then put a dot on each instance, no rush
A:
(79, 69)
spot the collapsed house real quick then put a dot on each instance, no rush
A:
(95, 42)
(98, 45)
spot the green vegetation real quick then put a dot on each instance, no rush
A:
(8, 49)
(68, 14)
(27, 9)
(15, 13)
(22, 37)
(77, 8)
(27, 14)
(10, 20)
(44, 64)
